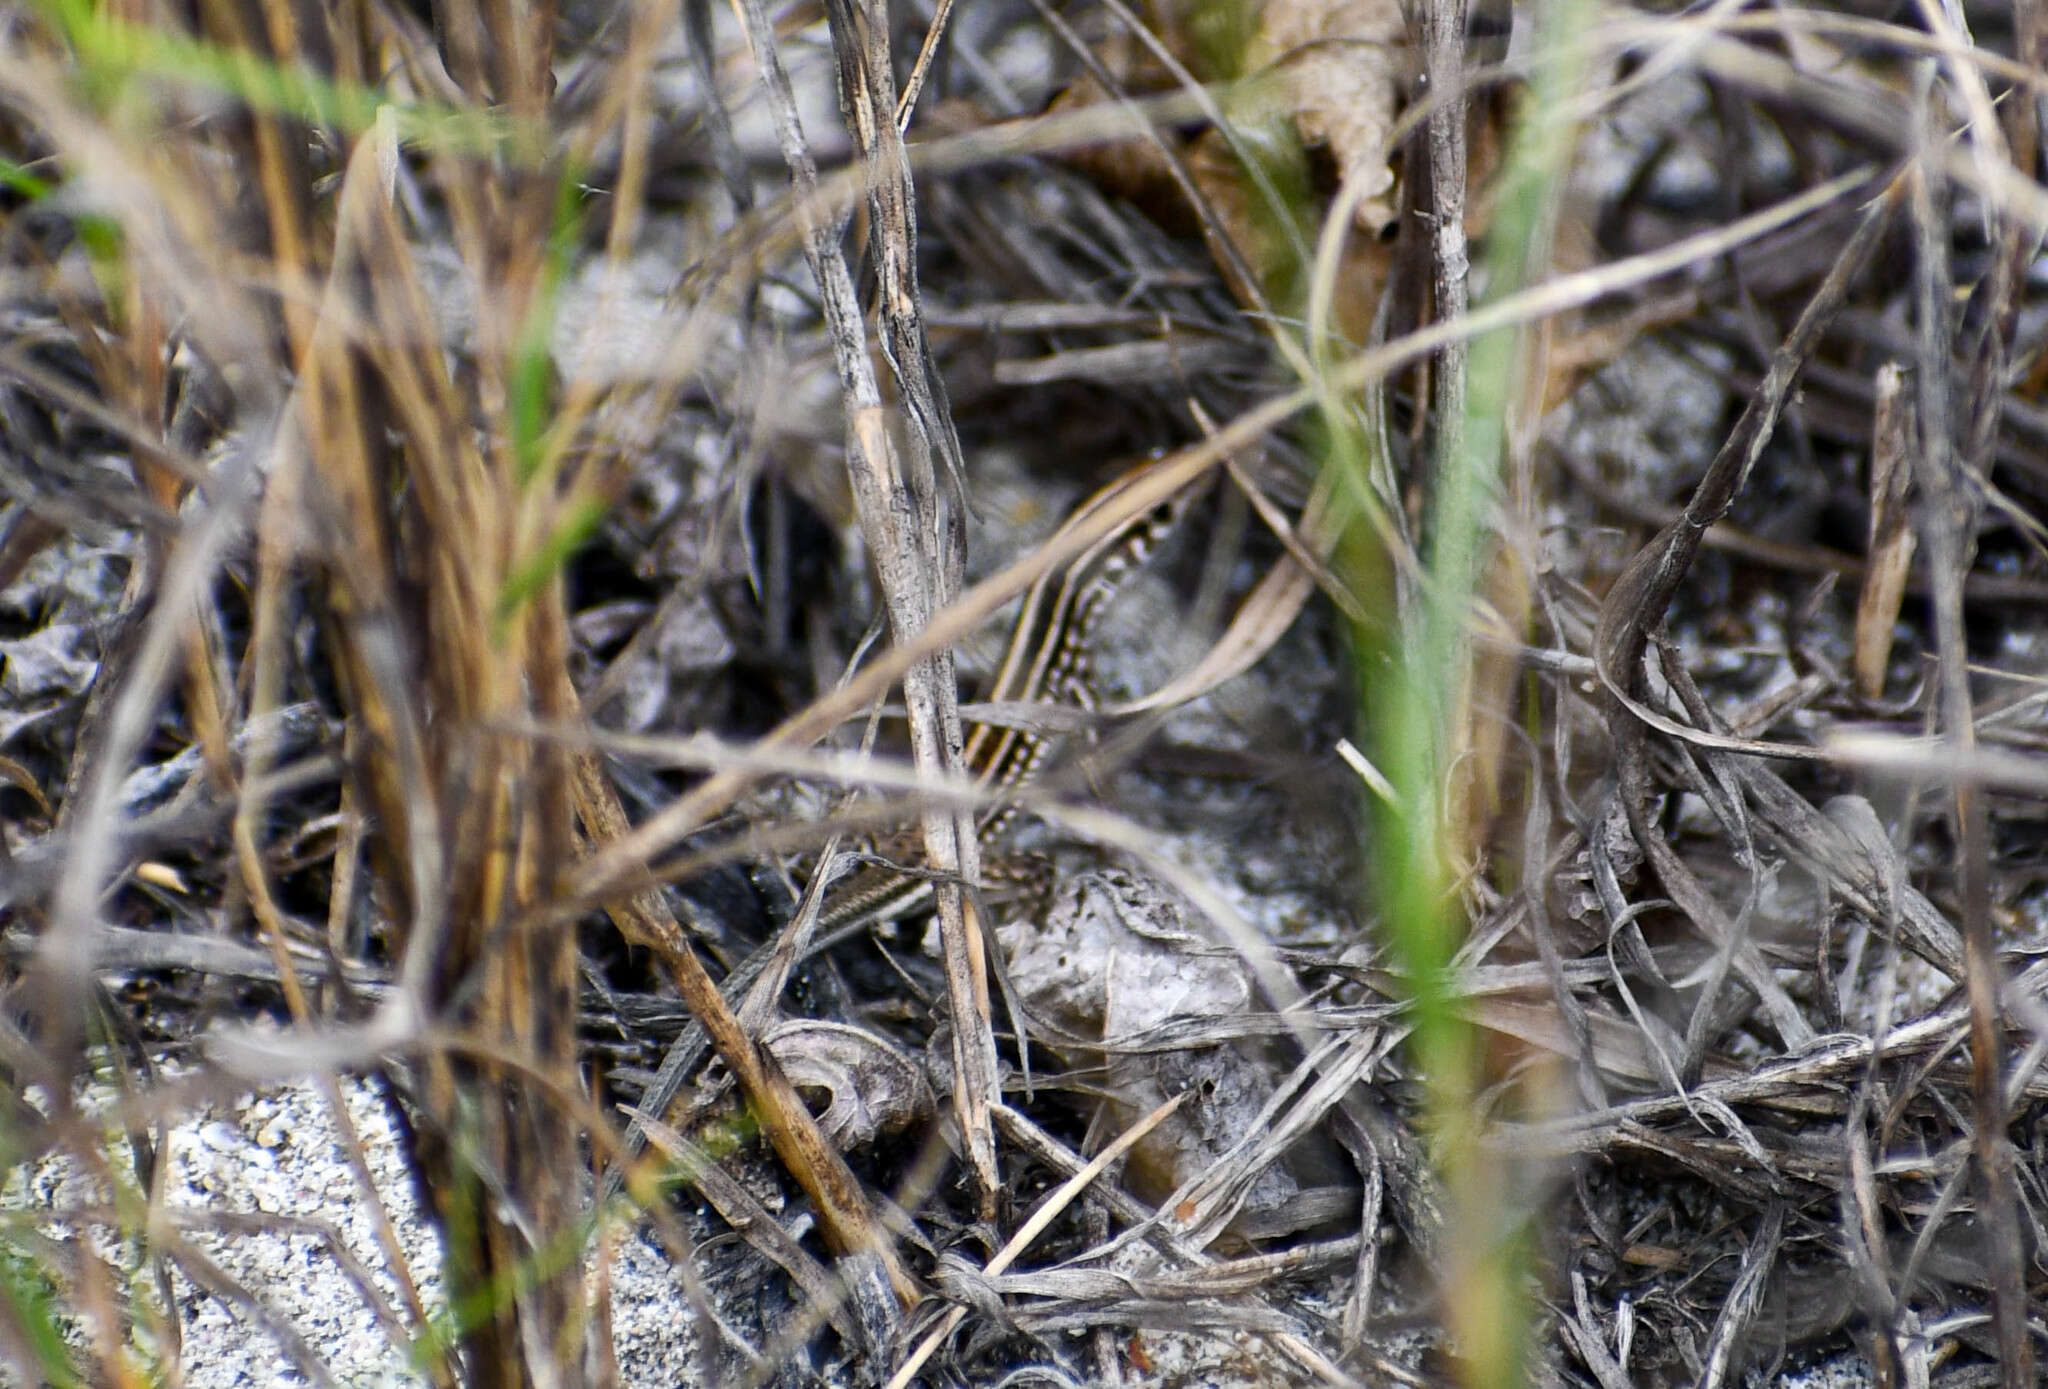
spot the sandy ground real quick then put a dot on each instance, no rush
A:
(274, 1162)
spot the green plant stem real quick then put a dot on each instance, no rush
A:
(1414, 679)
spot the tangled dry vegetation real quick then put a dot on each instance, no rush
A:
(1231, 693)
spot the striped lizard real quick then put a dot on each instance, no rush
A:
(1046, 660)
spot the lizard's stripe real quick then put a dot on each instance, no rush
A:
(1046, 660)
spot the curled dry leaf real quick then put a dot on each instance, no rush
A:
(1118, 956)
(1336, 66)
(874, 1088)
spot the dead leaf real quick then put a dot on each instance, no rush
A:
(1336, 65)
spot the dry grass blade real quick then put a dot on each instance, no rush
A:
(1744, 1301)
(1891, 540)
(917, 560)
(1645, 589)
(646, 919)
(1945, 452)
(920, 566)
(817, 1166)
(1047, 1211)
